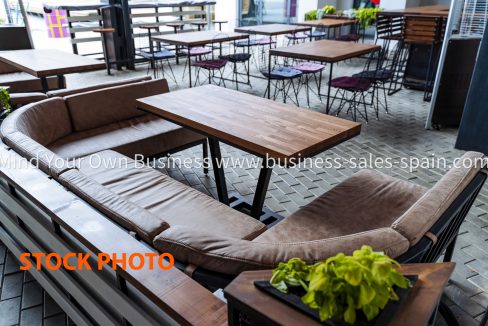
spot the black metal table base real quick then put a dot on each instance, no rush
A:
(267, 216)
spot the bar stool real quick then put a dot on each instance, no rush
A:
(104, 32)
(199, 24)
(220, 22)
(176, 26)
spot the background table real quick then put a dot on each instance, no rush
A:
(329, 23)
(45, 63)
(420, 305)
(193, 39)
(268, 129)
(324, 51)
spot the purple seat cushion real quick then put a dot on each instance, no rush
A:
(210, 64)
(236, 57)
(163, 54)
(351, 83)
(296, 36)
(282, 73)
(309, 67)
(245, 43)
(197, 51)
(263, 41)
(316, 34)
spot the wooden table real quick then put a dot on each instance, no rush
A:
(194, 39)
(276, 132)
(324, 51)
(420, 305)
(272, 29)
(45, 63)
(328, 23)
(435, 10)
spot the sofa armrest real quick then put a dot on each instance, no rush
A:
(232, 256)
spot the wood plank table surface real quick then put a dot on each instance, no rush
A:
(194, 39)
(271, 29)
(434, 10)
(417, 309)
(268, 129)
(328, 51)
(44, 63)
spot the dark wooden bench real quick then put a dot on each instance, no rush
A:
(30, 200)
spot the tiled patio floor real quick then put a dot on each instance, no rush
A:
(396, 135)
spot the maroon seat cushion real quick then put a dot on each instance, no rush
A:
(351, 83)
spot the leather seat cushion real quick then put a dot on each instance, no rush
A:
(19, 99)
(166, 198)
(125, 213)
(366, 201)
(21, 82)
(146, 135)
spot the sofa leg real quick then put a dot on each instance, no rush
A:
(205, 156)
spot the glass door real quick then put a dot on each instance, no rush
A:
(256, 12)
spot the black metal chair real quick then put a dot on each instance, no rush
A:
(441, 239)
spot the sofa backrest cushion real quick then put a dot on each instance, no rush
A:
(72, 91)
(45, 121)
(422, 215)
(5, 68)
(43, 158)
(101, 107)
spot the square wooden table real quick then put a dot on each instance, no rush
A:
(279, 133)
(272, 29)
(420, 305)
(328, 23)
(45, 63)
(194, 39)
(323, 51)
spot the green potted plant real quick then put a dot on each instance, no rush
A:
(329, 10)
(343, 287)
(311, 15)
(4, 102)
(366, 16)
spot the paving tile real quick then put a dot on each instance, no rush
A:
(31, 316)
(9, 312)
(31, 295)
(12, 285)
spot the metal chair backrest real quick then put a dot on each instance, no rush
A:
(441, 238)
(389, 27)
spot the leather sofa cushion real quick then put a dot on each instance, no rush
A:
(5, 68)
(72, 91)
(416, 221)
(21, 82)
(19, 99)
(99, 108)
(147, 135)
(130, 216)
(44, 122)
(170, 200)
(231, 256)
(366, 201)
(37, 154)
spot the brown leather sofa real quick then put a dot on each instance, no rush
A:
(369, 208)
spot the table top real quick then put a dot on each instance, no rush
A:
(256, 125)
(271, 29)
(328, 22)
(325, 50)
(435, 10)
(42, 63)
(199, 38)
(416, 310)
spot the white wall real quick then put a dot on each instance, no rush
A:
(305, 5)
(227, 10)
